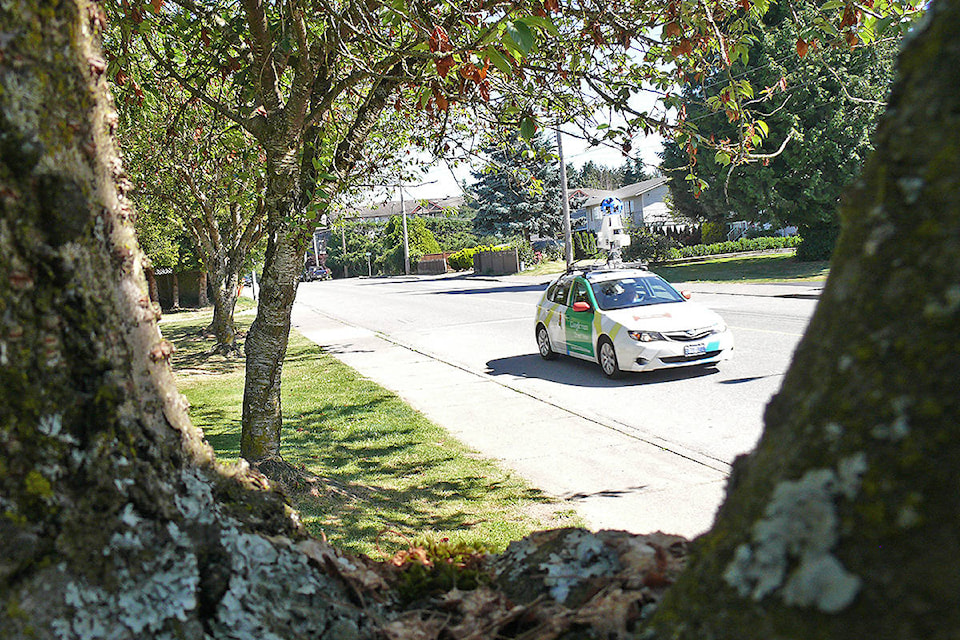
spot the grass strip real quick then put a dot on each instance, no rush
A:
(779, 267)
(387, 475)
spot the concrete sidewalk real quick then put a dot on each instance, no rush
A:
(646, 487)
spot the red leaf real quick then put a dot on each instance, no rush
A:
(671, 30)
(444, 65)
(801, 47)
(157, 5)
(439, 40)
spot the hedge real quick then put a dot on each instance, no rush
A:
(735, 246)
(463, 259)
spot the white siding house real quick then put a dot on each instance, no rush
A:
(644, 204)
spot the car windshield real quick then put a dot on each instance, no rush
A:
(634, 292)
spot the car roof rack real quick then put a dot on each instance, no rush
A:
(587, 268)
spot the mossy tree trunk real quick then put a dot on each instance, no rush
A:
(117, 523)
(845, 522)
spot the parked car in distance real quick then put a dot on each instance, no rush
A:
(627, 320)
(316, 273)
(547, 245)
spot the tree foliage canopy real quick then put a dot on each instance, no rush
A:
(822, 112)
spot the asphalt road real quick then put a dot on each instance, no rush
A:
(695, 420)
(486, 325)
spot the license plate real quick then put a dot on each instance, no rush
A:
(694, 349)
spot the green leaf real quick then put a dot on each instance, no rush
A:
(544, 23)
(499, 61)
(722, 158)
(882, 25)
(528, 128)
(520, 36)
(764, 129)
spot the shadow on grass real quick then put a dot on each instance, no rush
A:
(374, 479)
(195, 351)
(382, 468)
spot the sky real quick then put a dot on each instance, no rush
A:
(439, 182)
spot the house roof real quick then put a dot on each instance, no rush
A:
(419, 207)
(629, 191)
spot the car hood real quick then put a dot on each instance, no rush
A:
(674, 316)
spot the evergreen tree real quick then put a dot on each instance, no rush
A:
(634, 170)
(830, 102)
(518, 192)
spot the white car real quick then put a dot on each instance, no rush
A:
(627, 320)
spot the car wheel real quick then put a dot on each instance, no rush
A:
(608, 359)
(543, 343)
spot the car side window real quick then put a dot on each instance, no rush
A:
(551, 290)
(580, 293)
(560, 293)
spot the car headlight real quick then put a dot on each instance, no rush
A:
(645, 336)
(720, 327)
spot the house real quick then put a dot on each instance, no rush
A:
(414, 207)
(644, 204)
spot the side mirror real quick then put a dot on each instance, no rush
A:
(686, 294)
(580, 307)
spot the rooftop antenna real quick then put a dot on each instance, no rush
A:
(611, 237)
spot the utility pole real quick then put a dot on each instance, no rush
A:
(567, 232)
(343, 245)
(316, 250)
(406, 241)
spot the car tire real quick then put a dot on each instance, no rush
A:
(607, 359)
(543, 343)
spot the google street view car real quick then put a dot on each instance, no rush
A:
(627, 320)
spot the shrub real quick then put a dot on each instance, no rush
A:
(713, 232)
(463, 259)
(647, 246)
(584, 244)
(818, 243)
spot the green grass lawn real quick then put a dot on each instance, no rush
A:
(763, 268)
(386, 474)
(776, 267)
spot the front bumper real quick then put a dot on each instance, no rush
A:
(668, 354)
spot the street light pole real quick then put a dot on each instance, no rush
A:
(565, 204)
